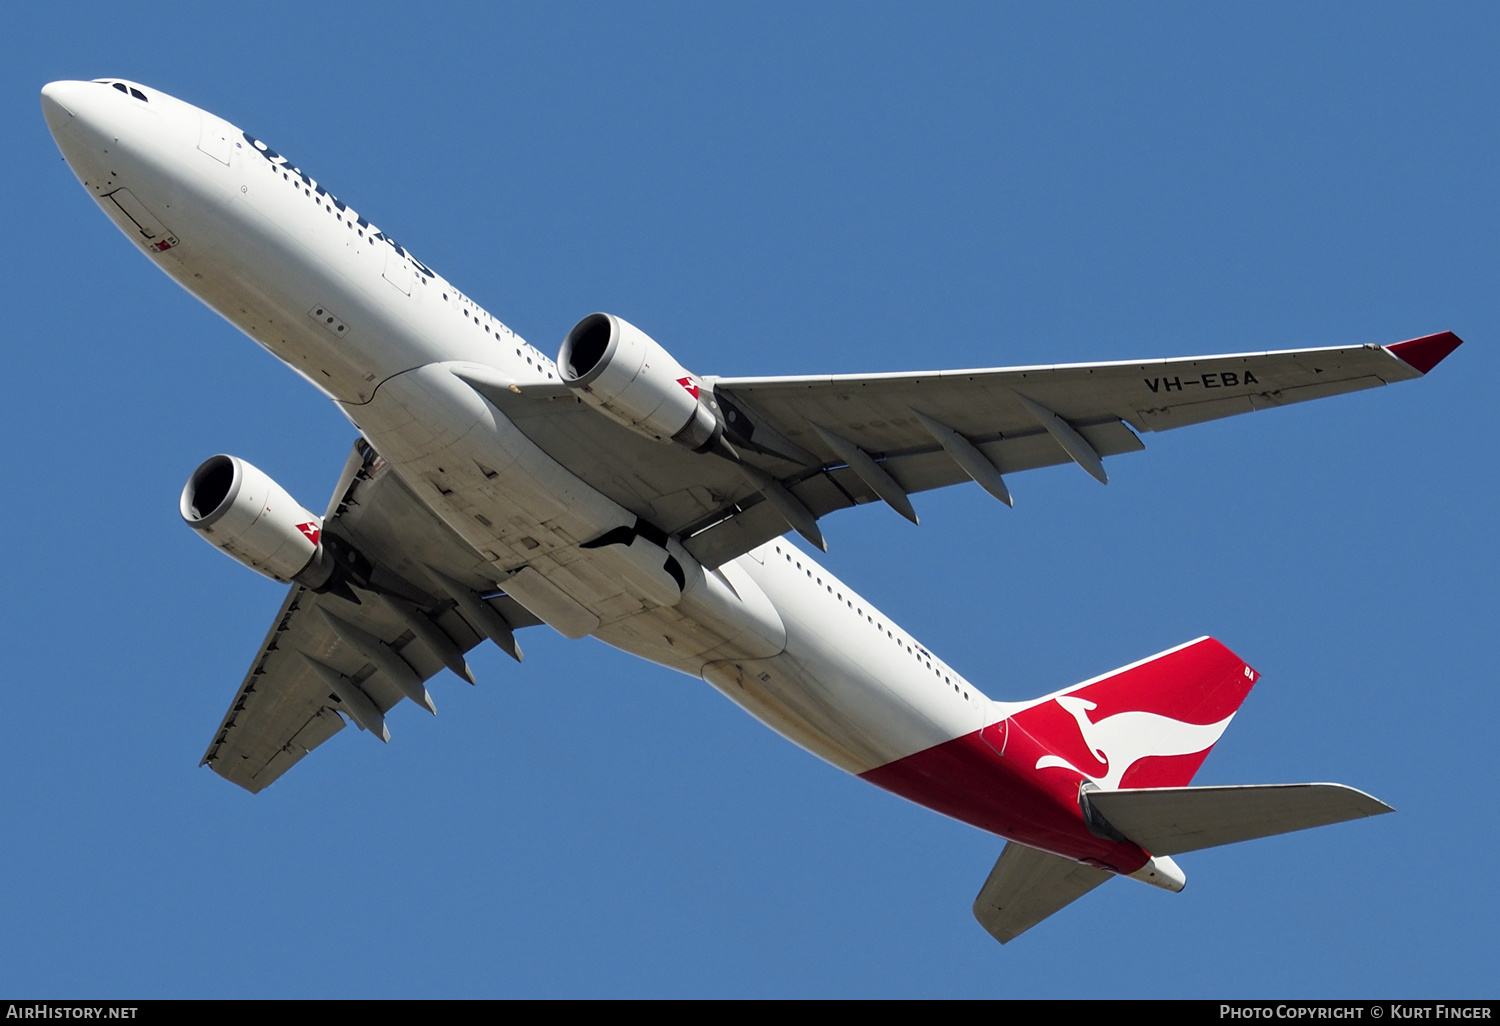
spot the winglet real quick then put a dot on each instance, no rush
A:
(1428, 351)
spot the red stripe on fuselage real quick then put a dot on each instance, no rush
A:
(967, 778)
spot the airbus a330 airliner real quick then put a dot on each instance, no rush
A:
(617, 494)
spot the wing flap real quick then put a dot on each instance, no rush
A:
(1026, 886)
(728, 533)
(283, 708)
(1172, 820)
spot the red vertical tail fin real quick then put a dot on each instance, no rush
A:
(1149, 724)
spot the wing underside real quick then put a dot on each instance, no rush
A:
(808, 444)
(329, 658)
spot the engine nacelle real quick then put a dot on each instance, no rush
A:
(241, 511)
(617, 368)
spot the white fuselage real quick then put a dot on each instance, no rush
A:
(329, 295)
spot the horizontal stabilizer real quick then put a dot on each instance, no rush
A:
(1171, 820)
(1026, 886)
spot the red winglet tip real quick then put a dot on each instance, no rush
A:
(1428, 351)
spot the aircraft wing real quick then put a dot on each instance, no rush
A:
(811, 445)
(329, 657)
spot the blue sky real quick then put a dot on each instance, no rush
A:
(777, 189)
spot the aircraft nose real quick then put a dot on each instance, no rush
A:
(55, 106)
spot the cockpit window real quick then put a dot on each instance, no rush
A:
(127, 90)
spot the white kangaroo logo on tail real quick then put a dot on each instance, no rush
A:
(1121, 740)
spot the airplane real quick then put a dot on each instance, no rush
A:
(611, 492)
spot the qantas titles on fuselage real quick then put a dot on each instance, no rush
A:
(279, 162)
(614, 493)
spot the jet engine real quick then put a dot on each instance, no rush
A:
(617, 368)
(240, 510)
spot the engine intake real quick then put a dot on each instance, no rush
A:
(238, 509)
(617, 368)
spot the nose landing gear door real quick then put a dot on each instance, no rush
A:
(136, 221)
